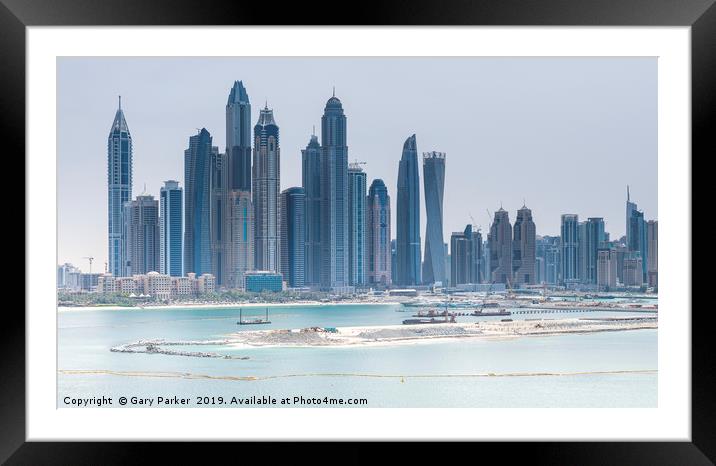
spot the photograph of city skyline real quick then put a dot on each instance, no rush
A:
(357, 231)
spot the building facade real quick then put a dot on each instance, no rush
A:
(378, 233)
(197, 208)
(357, 186)
(652, 253)
(606, 269)
(334, 197)
(500, 240)
(407, 254)
(637, 242)
(140, 246)
(119, 186)
(311, 177)
(570, 248)
(263, 280)
(434, 185)
(293, 231)
(234, 241)
(594, 239)
(171, 233)
(266, 184)
(466, 257)
(524, 248)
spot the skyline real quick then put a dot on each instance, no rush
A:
(383, 158)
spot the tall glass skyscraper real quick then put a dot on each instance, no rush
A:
(594, 240)
(357, 185)
(637, 243)
(266, 185)
(293, 231)
(500, 241)
(408, 217)
(235, 248)
(524, 248)
(171, 229)
(434, 181)
(466, 256)
(197, 211)
(630, 207)
(570, 248)
(311, 175)
(238, 138)
(119, 186)
(379, 253)
(141, 235)
(334, 197)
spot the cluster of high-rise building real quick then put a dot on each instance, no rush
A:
(584, 256)
(233, 225)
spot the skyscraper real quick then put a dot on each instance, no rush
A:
(638, 239)
(293, 231)
(393, 260)
(197, 210)
(217, 214)
(500, 240)
(238, 138)
(266, 184)
(652, 253)
(311, 175)
(379, 252)
(606, 268)
(570, 249)
(119, 185)
(594, 240)
(357, 185)
(630, 207)
(171, 229)
(240, 237)
(434, 183)
(408, 217)
(466, 256)
(524, 248)
(141, 235)
(236, 218)
(334, 197)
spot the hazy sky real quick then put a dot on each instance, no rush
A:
(566, 135)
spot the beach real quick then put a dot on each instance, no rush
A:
(408, 334)
(223, 305)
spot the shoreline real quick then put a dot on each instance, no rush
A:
(388, 335)
(159, 307)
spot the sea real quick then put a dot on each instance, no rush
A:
(615, 369)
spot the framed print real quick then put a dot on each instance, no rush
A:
(427, 224)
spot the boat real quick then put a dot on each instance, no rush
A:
(253, 321)
(432, 320)
(433, 313)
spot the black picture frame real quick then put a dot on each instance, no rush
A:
(16, 15)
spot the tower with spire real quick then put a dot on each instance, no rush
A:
(266, 191)
(311, 182)
(407, 253)
(233, 225)
(119, 186)
(334, 197)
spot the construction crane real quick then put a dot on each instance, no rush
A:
(90, 259)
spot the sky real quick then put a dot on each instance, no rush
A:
(560, 135)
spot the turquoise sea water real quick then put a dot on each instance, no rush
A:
(435, 374)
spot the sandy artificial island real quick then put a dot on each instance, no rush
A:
(397, 334)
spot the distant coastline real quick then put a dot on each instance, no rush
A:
(158, 307)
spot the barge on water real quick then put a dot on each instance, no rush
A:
(253, 320)
(432, 320)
